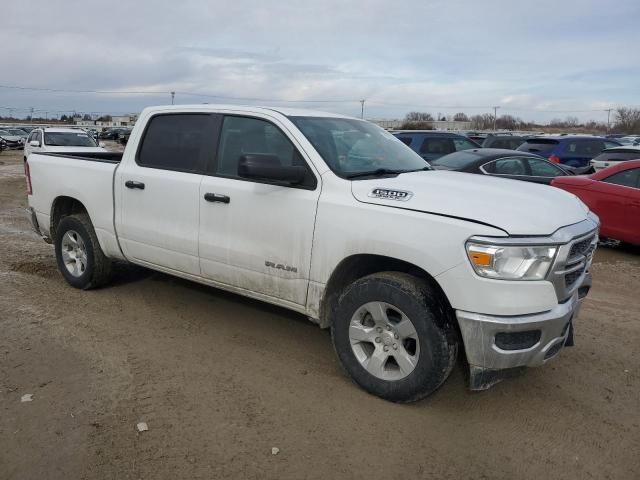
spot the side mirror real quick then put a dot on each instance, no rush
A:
(101, 144)
(34, 143)
(260, 166)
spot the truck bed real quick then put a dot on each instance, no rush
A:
(85, 177)
(108, 157)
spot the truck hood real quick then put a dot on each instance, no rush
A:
(517, 207)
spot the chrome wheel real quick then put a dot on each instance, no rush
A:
(384, 341)
(74, 253)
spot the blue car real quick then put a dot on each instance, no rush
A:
(433, 144)
(571, 150)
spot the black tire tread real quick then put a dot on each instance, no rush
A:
(433, 302)
(102, 266)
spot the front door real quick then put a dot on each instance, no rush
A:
(257, 236)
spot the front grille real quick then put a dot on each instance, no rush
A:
(571, 278)
(517, 340)
(583, 247)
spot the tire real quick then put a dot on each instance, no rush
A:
(94, 268)
(422, 359)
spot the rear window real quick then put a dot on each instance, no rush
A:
(456, 161)
(183, 142)
(538, 145)
(509, 143)
(68, 139)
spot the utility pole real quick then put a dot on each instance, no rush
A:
(31, 110)
(362, 108)
(609, 119)
(495, 116)
(173, 94)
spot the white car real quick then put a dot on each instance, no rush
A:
(629, 140)
(612, 156)
(337, 219)
(60, 140)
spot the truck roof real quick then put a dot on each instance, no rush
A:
(287, 111)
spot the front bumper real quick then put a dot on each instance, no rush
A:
(495, 343)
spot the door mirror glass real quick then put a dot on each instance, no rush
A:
(258, 166)
(34, 143)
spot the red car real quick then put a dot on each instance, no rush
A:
(614, 195)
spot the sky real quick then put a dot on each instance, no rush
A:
(537, 60)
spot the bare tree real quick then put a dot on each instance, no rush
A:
(482, 122)
(418, 117)
(627, 120)
(461, 117)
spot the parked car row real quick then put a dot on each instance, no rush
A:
(613, 192)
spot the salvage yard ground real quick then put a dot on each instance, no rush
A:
(221, 380)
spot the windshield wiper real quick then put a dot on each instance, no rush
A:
(383, 171)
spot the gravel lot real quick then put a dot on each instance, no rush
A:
(220, 380)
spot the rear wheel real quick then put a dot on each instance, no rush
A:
(393, 336)
(78, 254)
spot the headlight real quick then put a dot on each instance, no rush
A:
(502, 262)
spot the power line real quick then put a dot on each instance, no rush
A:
(173, 93)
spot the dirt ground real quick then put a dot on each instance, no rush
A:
(220, 380)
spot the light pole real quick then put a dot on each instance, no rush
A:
(609, 119)
(173, 94)
(495, 116)
(362, 108)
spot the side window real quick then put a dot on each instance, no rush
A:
(542, 168)
(462, 144)
(506, 166)
(32, 136)
(405, 140)
(437, 146)
(628, 178)
(244, 135)
(39, 137)
(183, 142)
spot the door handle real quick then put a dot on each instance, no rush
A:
(132, 184)
(215, 197)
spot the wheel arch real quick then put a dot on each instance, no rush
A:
(64, 206)
(360, 265)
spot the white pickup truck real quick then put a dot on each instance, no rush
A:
(335, 218)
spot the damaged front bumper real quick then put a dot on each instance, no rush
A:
(498, 345)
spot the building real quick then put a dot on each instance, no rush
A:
(436, 124)
(107, 122)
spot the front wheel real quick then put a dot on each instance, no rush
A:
(78, 254)
(393, 336)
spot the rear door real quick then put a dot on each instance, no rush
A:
(542, 171)
(257, 235)
(157, 192)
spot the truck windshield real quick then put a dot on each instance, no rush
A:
(68, 139)
(352, 147)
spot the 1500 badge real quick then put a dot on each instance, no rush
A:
(387, 194)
